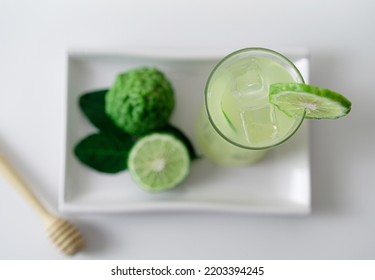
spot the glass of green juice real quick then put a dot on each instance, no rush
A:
(237, 125)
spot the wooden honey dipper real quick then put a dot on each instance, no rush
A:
(62, 233)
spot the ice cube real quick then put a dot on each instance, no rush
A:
(260, 124)
(248, 84)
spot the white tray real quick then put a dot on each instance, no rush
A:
(278, 184)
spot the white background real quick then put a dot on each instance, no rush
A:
(34, 37)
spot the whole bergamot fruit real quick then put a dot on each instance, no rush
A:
(140, 100)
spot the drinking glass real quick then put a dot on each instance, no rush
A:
(237, 125)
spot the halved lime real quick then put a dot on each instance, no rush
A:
(319, 103)
(158, 162)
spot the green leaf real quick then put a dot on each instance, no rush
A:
(104, 152)
(107, 150)
(92, 105)
(182, 136)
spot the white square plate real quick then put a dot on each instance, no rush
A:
(278, 184)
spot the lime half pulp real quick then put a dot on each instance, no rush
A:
(158, 162)
(319, 103)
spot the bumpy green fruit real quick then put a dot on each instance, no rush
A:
(140, 100)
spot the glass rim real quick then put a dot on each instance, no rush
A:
(237, 52)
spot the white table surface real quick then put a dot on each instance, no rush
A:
(34, 37)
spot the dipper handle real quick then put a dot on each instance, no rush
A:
(7, 170)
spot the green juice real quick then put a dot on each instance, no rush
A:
(219, 150)
(238, 124)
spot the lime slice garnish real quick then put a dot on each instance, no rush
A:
(319, 103)
(158, 162)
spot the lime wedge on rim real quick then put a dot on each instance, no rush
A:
(319, 103)
(158, 162)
